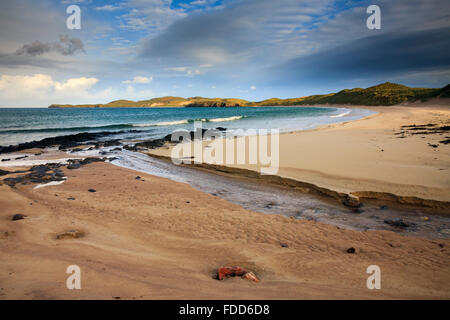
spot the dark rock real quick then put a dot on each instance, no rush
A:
(22, 157)
(37, 174)
(4, 172)
(64, 142)
(284, 245)
(383, 207)
(59, 173)
(3, 160)
(73, 166)
(351, 202)
(111, 143)
(399, 223)
(18, 216)
(433, 145)
(351, 250)
(138, 178)
(221, 129)
(76, 150)
(92, 190)
(270, 205)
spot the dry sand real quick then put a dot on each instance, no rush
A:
(159, 239)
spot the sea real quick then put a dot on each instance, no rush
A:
(18, 125)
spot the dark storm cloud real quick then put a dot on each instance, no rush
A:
(69, 46)
(65, 46)
(34, 49)
(382, 55)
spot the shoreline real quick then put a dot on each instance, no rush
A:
(365, 186)
(358, 197)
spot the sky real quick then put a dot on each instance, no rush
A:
(249, 49)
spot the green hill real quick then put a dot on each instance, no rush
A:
(385, 94)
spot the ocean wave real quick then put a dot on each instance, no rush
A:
(177, 122)
(340, 115)
(165, 123)
(115, 126)
(224, 119)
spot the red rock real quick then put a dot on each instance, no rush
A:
(225, 272)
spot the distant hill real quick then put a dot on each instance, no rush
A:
(163, 102)
(385, 94)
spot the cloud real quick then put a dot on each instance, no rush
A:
(149, 15)
(66, 46)
(139, 80)
(188, 71)
(108, 7)
(378, 57)
(34, 49)
(18, 89)
(242, 31)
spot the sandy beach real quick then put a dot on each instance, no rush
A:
(148, 237)
(374, 157)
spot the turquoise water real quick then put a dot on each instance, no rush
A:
(27, 124)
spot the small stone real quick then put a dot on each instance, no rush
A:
(138, 178)
(250, 276)
(92, 190)
(71, 198)
(284, 245)
(18, 216)
(426, 219)
(351, 250)
(74, 166)
(383, 207)
(351, 201)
